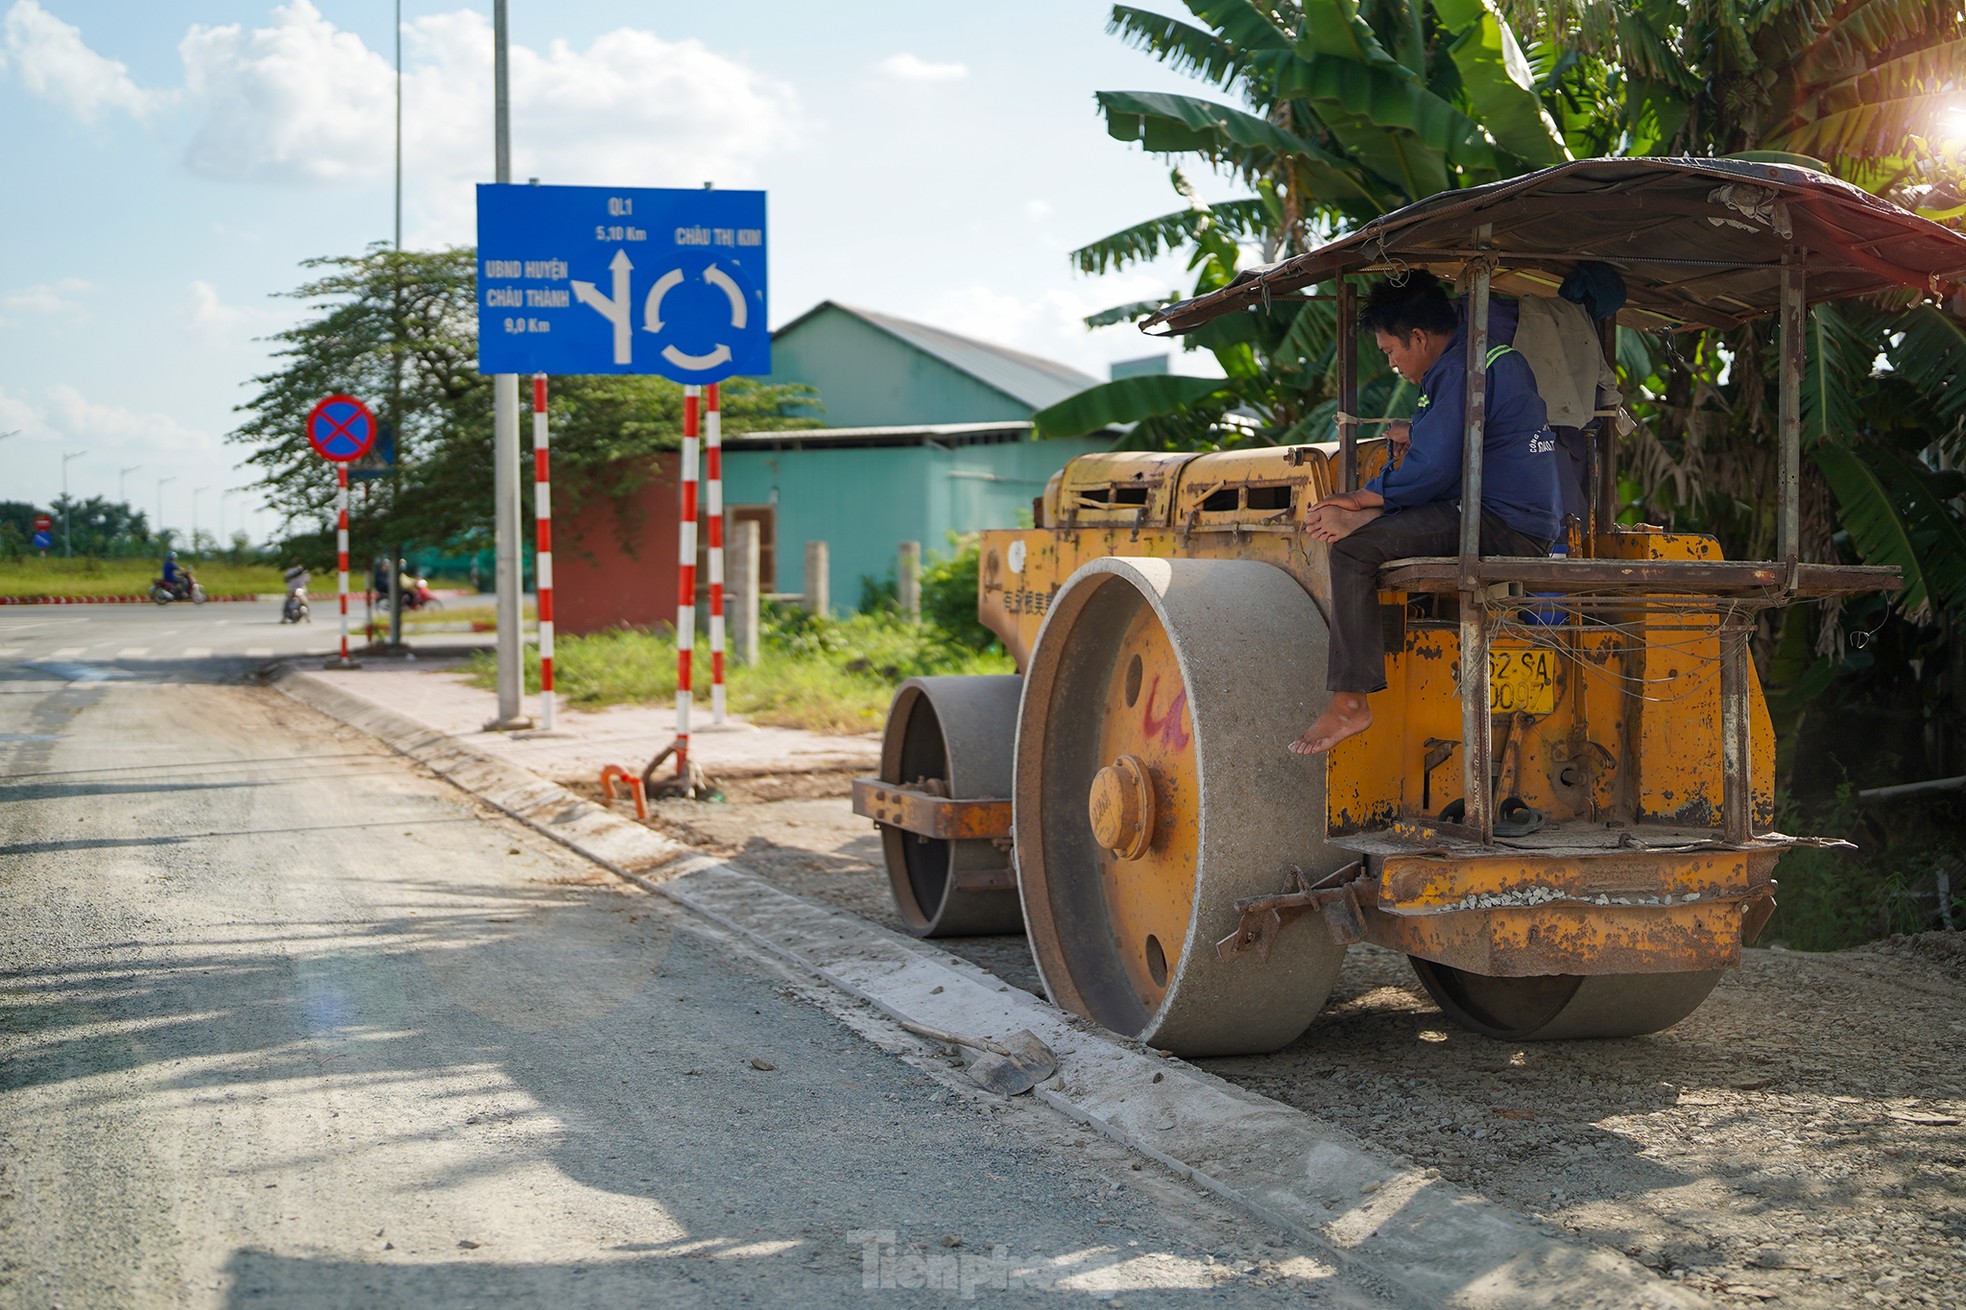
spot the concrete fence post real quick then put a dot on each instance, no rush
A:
(819, 596)
(744, 544)
(908, 580)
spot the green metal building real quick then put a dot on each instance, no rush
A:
(929, 435)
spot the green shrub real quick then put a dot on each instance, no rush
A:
(949, 594)
(1829, 899)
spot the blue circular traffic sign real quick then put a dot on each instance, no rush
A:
(340, 428)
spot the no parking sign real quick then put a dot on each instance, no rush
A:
(340, 428)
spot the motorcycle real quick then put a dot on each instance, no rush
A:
(418, 596)
(295, 608)
(181, 590)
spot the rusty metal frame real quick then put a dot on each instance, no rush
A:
(1476, 727)
(929, 815)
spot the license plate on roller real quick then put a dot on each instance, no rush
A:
(1521, 681)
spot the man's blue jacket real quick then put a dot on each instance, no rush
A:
(1518, 451)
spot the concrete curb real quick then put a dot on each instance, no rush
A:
(127, 600)
(1394, 1227)
(233, 596)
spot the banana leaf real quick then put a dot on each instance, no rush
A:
(1172, 124)
(1499, 84)
(1126, 400)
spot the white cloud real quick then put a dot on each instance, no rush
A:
(56, 299)
(207, 315)
(1037, 210)
(913, 68)
(57, 65)
(301, 101)
(112, 430)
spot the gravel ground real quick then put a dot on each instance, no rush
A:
(1799, 1141)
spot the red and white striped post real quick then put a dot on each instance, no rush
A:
(686, 580)
(542, 510)
(341, 547)
(713, 470)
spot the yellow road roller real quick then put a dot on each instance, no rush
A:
(1561, 812)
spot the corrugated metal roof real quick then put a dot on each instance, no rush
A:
(911, 434)
(1029, 379)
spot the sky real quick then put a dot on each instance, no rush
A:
(169, 164)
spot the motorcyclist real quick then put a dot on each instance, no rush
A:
(295, 606)
(177, 578)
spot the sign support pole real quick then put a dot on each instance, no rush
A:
(542, 509)
(686, 579)
(341, 557)
(505, 434)
(713, 468)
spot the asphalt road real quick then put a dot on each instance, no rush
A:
(284, 1020)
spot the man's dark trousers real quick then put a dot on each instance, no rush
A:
(1358, 643)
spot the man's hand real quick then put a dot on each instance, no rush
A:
(1399, 436)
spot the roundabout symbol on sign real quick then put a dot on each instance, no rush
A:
(739, 316)
(340, 428)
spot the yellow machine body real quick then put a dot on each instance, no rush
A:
(1610, 728)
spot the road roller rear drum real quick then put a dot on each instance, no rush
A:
(948, 737)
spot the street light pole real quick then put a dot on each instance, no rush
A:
(123, 483)
(160, 504)
(68, 510)
(505, 429)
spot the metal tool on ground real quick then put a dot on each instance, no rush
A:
(1008, 1068)
(688, 783)
(636, 787)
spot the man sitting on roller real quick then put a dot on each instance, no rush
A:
(1413, 507)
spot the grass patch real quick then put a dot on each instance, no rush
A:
(126, 577)
(462, 614)
(825, 675)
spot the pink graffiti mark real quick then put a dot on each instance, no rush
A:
(1166, 727)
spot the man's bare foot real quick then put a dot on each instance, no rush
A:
(1346, 716)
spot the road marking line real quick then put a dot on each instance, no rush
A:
(132, 652)
(68, 652)
(259, 652)
(197, 652)
(8, 651)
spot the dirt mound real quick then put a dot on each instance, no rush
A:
(1946, 951)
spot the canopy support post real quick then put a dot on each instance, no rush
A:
(1795, 323)
(1347, 361)
(1477, 728)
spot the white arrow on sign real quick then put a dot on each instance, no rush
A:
(612, 308)
(652, 307)
(696, 363)
(716, 277)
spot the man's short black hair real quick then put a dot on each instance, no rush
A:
(1418, 303)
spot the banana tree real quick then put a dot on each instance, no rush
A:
(1346, 109)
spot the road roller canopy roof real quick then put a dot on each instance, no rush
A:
(1699, 242)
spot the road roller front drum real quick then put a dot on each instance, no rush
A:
(1153, 791)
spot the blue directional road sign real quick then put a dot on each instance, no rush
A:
(42, 541)
(621, 280)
